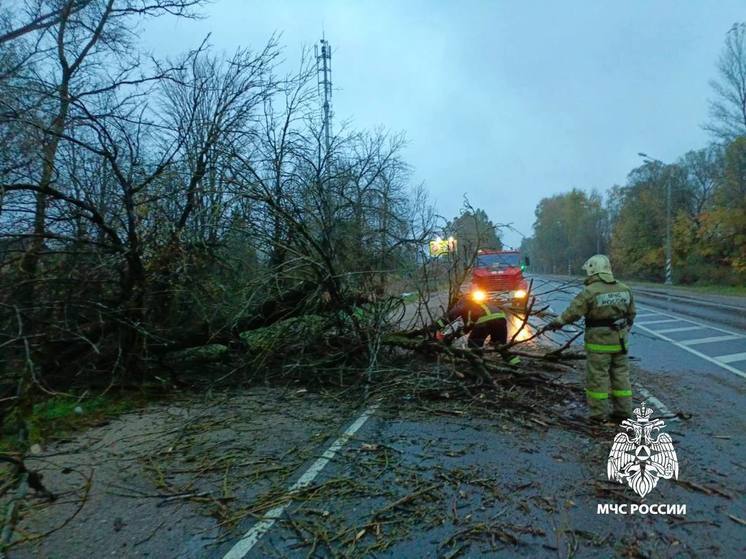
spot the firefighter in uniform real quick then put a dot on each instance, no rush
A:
(609, 311)
(481, 318)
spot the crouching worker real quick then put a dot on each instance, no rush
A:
(480, 318)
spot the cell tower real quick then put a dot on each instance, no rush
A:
(324, 70)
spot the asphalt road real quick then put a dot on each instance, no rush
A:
(722, 310)
(310, 475)
(689, 365)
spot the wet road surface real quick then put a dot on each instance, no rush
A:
(291, 474)
(514, 489)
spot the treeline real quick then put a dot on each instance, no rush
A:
(149, 205)
(708, 203)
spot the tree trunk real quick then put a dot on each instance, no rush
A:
(30, 261)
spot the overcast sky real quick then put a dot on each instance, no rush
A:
(505, 102)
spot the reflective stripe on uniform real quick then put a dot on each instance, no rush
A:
(621, 393)
(489, 315)
(603, 348)
(597, 395)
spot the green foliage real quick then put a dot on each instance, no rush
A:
(639, 229)
(568, 229)
(708, 221)
(283, 336)
(473, 230)
(732, 189)
(710, 244)
(202, 354)
(58, 415)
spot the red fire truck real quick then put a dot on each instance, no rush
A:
(499, 274)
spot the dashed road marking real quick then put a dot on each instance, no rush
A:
(250, 538)
(682, 345)
(730, 358)
(682, 329)
(693, 351)
(709, 340)
(661, 321)
(660, 406)
(697, 322)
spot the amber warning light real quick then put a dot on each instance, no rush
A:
(478, 295)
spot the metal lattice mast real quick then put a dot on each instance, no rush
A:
(324, 69)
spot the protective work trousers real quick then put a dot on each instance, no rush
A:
(496, 329)
(602, 370)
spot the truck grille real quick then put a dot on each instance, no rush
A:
(497, 283)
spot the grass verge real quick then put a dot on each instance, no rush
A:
(58, 416)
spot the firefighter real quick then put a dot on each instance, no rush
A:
(609, 311)
(481, 318)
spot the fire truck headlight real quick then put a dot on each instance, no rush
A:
(520, 294)
(478, 295)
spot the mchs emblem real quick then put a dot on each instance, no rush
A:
(639, 459)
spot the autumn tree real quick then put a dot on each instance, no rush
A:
(474, 230)
(728, 105)
(568, 229)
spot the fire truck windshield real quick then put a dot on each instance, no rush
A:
(505, 260)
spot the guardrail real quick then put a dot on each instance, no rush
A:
(688, 299)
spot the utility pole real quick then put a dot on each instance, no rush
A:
(324, 70)
(669, 261)
(324, 89)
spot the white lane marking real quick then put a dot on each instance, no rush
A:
(701, 323)
(709, 340)
(653, 400)
(730, 358)
(250, 538)
(643, 315)
(682, 329)
(661, 321)
(694, 352)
